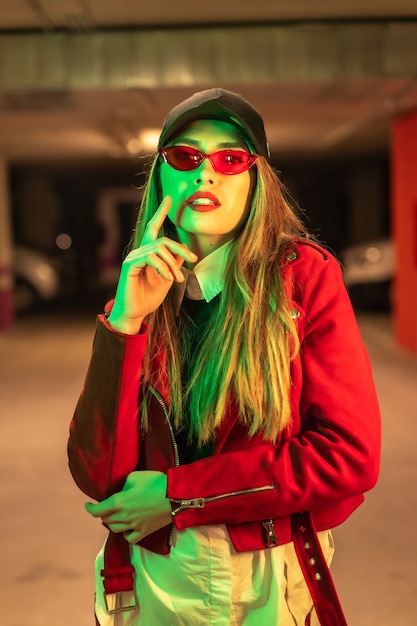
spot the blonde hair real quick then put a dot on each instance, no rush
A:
(248, 345)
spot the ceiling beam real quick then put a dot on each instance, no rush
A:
(151, 58)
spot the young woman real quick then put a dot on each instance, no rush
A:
(228, 420)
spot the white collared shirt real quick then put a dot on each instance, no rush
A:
(206, 280)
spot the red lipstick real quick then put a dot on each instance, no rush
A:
(203, 201)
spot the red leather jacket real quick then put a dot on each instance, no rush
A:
(323, 463)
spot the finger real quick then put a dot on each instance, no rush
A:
(167, 264)
(162, 270)
(132, 536)
(155, 224)
(183, 253)
(101, 509)
(118, 528)
(161, 247)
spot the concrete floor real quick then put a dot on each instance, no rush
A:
(48, 542)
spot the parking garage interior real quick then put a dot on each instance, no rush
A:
(84, 86)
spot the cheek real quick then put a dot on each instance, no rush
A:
(178, 194)
(176, 189)
(172, 183)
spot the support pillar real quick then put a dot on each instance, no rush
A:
(404, 224)
(6, 252)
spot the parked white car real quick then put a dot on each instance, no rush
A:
(368, 271)
(36, 278)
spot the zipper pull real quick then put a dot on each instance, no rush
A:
(271, 538)
(194, 503)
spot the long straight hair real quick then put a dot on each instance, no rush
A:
(245, 352)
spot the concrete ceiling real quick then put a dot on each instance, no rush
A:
(91, 14)
(325, 116)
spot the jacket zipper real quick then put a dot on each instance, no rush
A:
(165, 409)
(200, 503)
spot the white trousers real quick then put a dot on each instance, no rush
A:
(205, 582)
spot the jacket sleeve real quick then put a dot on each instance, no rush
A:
(332, 456)
(99, 460)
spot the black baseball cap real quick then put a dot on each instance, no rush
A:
(217, 104)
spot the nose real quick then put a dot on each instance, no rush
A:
(205, 173)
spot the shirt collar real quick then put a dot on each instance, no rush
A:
(206, 279)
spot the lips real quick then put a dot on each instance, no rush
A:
(203, 202)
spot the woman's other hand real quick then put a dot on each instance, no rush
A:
(147, 275)
(139, 509)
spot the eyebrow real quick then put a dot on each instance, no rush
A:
(223, 144)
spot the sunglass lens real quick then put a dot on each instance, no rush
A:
(183, 158)
(232, 161)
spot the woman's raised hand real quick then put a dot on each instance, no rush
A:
(139, 509)
(147, 274)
